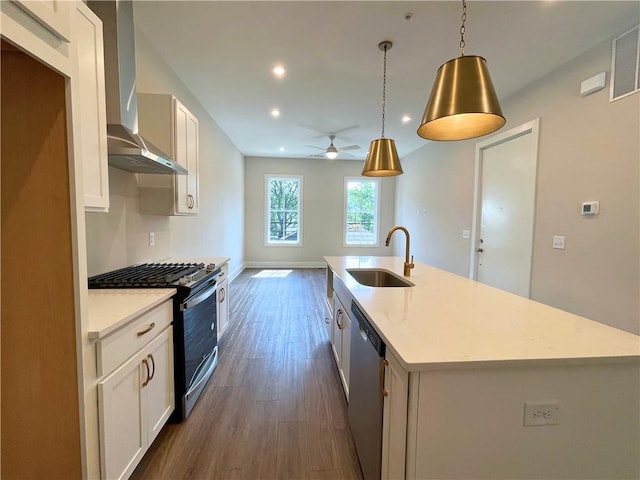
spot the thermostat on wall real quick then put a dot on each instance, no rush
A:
(590, 208)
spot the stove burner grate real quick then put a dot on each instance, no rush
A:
(146, 275)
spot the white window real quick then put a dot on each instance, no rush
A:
(283, 216)
(361, 198)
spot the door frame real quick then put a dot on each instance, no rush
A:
(532, 127)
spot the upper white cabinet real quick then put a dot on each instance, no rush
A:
(54, 15)
(42, 29)
(172, 128)
(89, 106)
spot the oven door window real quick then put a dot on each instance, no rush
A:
(200, 332)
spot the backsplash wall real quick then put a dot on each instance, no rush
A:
(121, 237)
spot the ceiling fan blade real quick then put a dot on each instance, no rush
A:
(336, 132)
(313, 146)
(319, 155)
(350, 147)
(344, 154)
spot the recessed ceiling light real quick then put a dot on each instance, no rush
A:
(275, 113)
(282, 149)
(406, 119)
(279, 71)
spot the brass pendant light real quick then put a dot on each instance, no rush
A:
(463, 103)
(382, 159)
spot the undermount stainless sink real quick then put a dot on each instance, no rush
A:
(378, 277)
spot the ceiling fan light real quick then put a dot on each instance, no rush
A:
(382, 160)
(463, 103)
(331, 155)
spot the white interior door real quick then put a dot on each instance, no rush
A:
(504, 210)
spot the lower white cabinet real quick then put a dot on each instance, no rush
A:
(135, 401)
(341, 340)
(223, 306)
(394, 419)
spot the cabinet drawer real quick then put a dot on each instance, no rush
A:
(119, 346)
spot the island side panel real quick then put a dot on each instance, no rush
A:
(470, 422)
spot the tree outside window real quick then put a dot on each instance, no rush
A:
(284, 213)
(361, 211)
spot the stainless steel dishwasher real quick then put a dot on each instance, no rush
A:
(366, 387)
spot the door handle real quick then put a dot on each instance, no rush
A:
(147, 330)
(383, 367)
(153, 365)
(146, 366)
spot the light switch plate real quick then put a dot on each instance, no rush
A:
(466, 234)
(558, 242)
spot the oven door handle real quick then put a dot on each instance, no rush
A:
(200, 298)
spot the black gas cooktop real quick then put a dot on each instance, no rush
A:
(148, 275)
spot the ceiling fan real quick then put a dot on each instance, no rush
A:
(332, 151)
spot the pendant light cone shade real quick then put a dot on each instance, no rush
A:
(382, 160)
(463, 103)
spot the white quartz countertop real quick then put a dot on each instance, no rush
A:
(446, 320)
(111, 309)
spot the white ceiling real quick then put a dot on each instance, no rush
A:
(224, 52)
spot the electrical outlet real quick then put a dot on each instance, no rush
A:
(466, 234)
(541, 414)
(152, 239)
(558, 242)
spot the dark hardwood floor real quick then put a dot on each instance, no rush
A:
(274, 408)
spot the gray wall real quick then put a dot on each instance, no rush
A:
(120, 237)
(323, 203)
(589, 149)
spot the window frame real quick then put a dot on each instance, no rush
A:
(376, 227)
(267, 210)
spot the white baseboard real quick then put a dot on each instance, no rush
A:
(284, 264)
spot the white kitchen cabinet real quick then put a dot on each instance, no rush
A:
(328, 310)
(42, 29)
(341, 338)
(136, 399)
(394, 423)
(171, 127)
(89, 106)
(222, 295)
(54, 15)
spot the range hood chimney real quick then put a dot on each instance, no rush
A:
(127, 149)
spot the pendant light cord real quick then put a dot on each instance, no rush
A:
(462, 29)
(384, 88)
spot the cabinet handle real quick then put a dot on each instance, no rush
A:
(190, 201)
(222, 295)
(153, 365)
(146, 366)
(147, 330)
(338, 315)
(383, 367)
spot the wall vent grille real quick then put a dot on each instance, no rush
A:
(625, 64)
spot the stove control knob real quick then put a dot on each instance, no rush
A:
(210, 267)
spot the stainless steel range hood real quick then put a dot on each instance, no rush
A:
(127, 149)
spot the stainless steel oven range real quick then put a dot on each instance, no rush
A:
(195, 324)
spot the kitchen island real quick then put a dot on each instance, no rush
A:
(486, 384)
